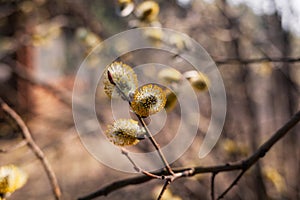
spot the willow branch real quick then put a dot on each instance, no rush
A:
(34, 147)
(156, 146)
(148, 132)
(243, 165)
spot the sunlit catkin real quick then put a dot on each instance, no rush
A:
(11, 179)
(123, 77)
(148, 100)
(124, 132)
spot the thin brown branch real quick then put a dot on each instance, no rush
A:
(166, 184)
(148, 132)
(235, 181)
(34, 147)
(212, 189)
(246, 164)
(14, 147)
(255, 60)
(137, 168)
(116, 186)
(156, 146)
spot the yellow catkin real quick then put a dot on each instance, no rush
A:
(147, 11)
(11, 179)
(148, 100)
(122, 75)
(125, 7)
(124, 132)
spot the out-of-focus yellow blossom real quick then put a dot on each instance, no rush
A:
(170, 75)
(167, 194)
(147, 11)
(88, 38)
(276, 178)
(11, 179)
(233, 148)
(156, 36)
(179, 42)
(171, 100)
(125, 7)
(265, 69)
(198, 80)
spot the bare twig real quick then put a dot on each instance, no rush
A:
(166, 184)
(246, 164)
(212, 182)
(117, 185)
(254, 60)
(156, 145)
(137, 168)
(14, 147)
(235, 181)
(34, 147)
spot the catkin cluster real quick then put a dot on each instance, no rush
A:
(121, 80)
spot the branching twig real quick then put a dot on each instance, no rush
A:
(232, 184)
(148, 132)
(246, 164)
(136, 167)
(16, 146)
(34, 147)
(166, 184)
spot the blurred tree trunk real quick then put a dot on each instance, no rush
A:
(284, 99)
(22, 30)
(25, 56)
(246, 104)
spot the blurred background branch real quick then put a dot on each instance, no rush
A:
(34, 148)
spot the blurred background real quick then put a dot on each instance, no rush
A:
(255, 44)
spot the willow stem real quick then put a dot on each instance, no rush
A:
(148, 133)
(156, 145)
